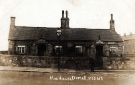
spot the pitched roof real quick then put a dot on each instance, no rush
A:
(35, 33)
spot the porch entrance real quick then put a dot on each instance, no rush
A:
(99, 56)
(41, 49)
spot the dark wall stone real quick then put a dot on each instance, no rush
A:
(51, 62)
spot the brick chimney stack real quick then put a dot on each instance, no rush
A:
(12, 22)
(11, 43)
(64, 20)
(112, 22)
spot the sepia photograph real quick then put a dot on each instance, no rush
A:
(67, 42)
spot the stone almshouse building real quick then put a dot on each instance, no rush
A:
(92, 44)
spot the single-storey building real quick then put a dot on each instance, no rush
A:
(65, 41)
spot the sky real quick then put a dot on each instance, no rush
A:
(82, 13)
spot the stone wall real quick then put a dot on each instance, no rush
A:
(48, 62)
(23, 60)
(115, 63)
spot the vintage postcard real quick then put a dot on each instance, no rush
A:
(67, 42)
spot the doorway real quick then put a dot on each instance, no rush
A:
(41, 49)
(99, 56)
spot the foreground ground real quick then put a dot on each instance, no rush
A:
(14, 77)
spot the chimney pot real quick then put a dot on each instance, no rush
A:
(111, 16)
(62, 13)
(66, 14)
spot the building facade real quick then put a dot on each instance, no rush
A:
(129, 44)
(64, 41)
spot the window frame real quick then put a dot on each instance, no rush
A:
(21, 49)
(79, 49)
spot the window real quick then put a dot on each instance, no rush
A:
(79, 49)
(21, 49)
(114, 51)
(58, 49)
